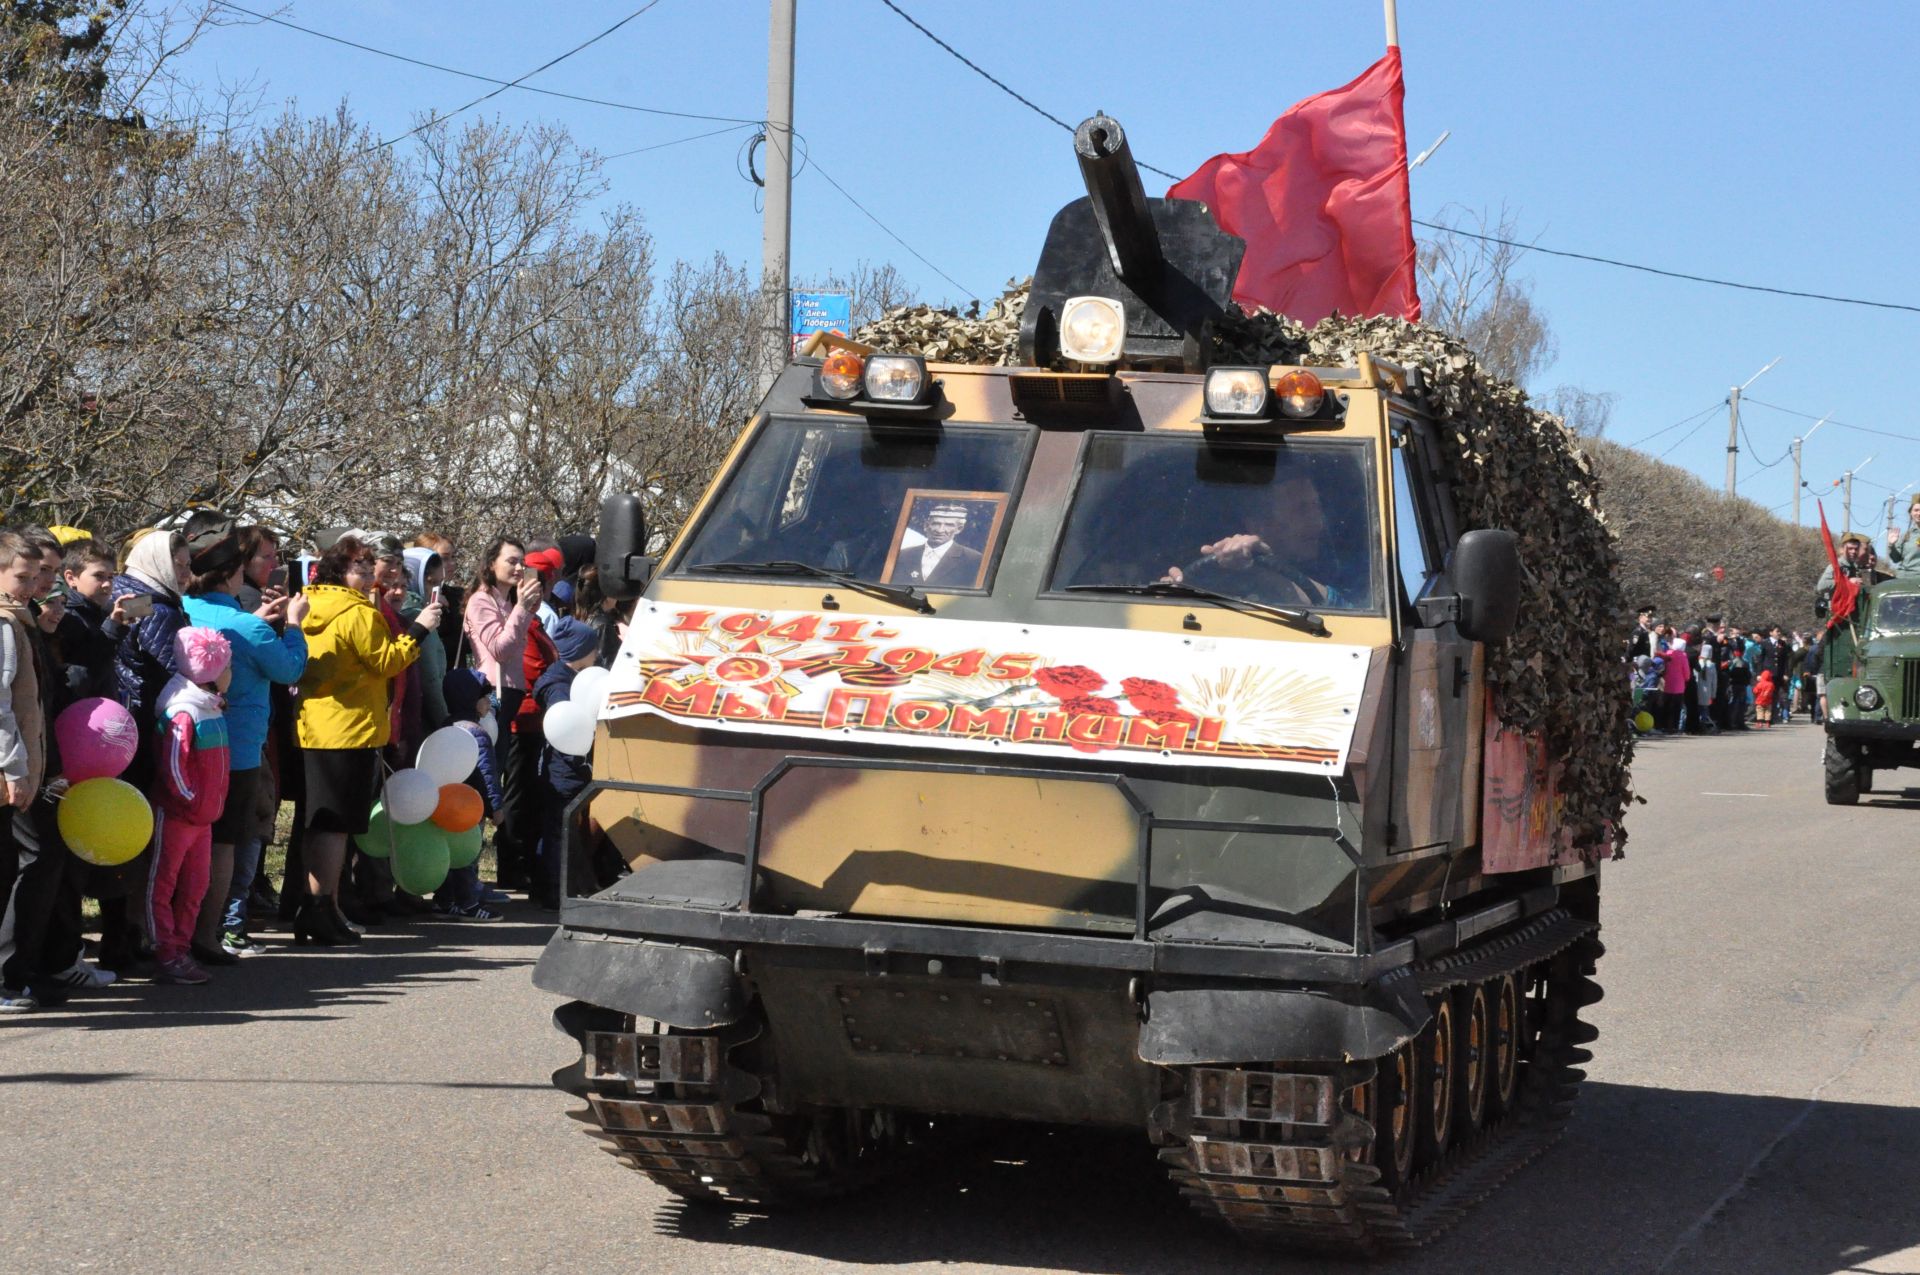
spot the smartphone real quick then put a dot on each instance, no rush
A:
(437, 596)
(136, 606)
(277, 579)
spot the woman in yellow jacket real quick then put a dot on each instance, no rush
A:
(352, 657)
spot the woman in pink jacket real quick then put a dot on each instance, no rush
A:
(1675, 673)
(499, 611)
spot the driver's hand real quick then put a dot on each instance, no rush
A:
(1236, 553)
(1174, 576)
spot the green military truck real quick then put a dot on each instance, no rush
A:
(1872, 664)
(1105, 740)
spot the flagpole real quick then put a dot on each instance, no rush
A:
(1393, 26)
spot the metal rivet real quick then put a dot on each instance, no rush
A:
(934, 967)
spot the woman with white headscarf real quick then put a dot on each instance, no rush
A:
(156, 567)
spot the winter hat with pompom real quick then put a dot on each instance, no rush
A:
(201, 655)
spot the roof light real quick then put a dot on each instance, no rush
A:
(840, 375)
(1092, 329)
(1300, 394)
(896, 378)
(1238, 391)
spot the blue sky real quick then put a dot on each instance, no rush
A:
(1764, 142)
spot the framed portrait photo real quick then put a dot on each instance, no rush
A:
(945, 539)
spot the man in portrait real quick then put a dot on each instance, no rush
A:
(942, 560)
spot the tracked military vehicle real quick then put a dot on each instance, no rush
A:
(1099, 741)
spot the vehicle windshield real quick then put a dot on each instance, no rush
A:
(1896, 613)
(1288, 523)
(923, 507)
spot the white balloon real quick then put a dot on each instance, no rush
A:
(449, 755)
(590, 688)
(491, 729)
(412, 796)
(569, 728)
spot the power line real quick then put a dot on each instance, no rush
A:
(678, 141)
(890, 232)
(1858, 429)
(1758, 463)
(493, 93)
(1670, 274)
(474, 75)
(1049, 116)
(989, 77)
(737, 122)
(1684, 437)
(1677, 424)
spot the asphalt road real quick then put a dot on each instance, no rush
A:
(1753, 1106)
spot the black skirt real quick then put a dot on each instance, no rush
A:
(342, 785)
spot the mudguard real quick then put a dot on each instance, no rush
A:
(1227, 1025)
(681, 986)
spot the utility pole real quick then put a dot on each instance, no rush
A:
(776, 235)
(1846, 499)
(1733, 426)
(1797, 443)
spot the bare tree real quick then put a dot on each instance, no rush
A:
(1468, 286)
(1586, 412)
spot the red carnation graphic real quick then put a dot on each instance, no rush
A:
(1066, 680)
(1172, 716)
(1148, 695)
(1090, 704)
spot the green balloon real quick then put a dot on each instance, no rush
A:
(463, 847)
(419, 857)
(377, 840)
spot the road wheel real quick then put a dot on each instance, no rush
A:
(1843, 776)
(1507, 1028)
(1473, 1048)
(1439, 1091)
(1394, 1095)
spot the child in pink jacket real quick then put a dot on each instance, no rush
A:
(190, 790)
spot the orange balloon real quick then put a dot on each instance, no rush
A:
(460, 808)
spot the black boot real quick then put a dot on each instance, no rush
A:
(317, 923)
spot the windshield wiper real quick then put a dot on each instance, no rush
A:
(1306, 621)
(907, 596)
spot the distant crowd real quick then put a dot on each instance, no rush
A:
(221, 674)
(1712, 676)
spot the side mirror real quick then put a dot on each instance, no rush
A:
(620, 550)
(1485, 571)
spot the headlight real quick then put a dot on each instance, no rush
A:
(1866, 697)
(1237, 391)
(896, 378)
(1300, 394)
(1092, 329)
(840, 374)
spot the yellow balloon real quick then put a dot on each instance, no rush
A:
(1643, 721)
(105, 821)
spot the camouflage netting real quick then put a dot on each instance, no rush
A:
(1559, 674)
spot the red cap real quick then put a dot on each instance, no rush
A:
(548, 562)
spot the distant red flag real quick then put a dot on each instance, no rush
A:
(1846, 590)
(1322, 203)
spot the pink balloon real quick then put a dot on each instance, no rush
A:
(97, 739)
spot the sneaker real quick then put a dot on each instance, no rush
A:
(181, 970)
(468, 912)
(14, 1000)
(239, 943)
(84, 977)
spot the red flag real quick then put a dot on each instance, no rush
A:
(1322, 203)
(1846, 590)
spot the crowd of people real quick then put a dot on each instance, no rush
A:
(256, 676)
(1713, 676)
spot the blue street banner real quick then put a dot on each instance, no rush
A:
(821, 312)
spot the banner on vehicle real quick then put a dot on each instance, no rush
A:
(1035, 690)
